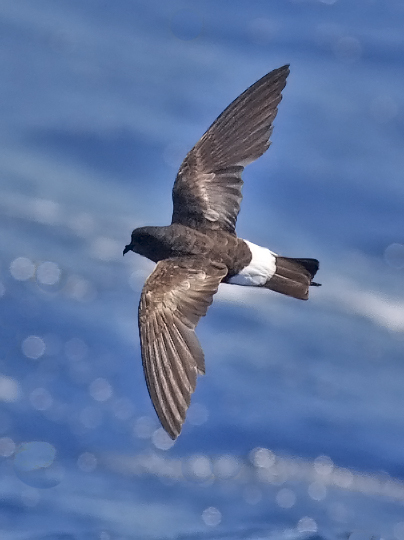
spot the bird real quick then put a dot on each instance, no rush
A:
(200, 249)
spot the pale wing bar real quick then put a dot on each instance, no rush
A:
(175, 296)
(207, 190)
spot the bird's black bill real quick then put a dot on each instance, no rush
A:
(127, 248)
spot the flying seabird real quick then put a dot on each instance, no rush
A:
(200, 249)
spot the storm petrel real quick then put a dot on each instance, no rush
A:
(200, 249)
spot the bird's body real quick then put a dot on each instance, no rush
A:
(200, 249)
(176, 240)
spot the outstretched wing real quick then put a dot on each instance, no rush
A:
(207, 190)
(175, 296)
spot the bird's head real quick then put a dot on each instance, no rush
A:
(135, 241)
(141, 242)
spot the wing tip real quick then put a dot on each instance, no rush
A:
(282, 72)
(171, 425)
(172, 431)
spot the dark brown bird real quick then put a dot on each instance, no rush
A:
(200, 249)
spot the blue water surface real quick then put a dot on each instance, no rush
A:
(297, 429)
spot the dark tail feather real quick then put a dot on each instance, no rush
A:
(293, 277)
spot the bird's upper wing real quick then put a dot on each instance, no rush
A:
(175, 296)
(207, 190)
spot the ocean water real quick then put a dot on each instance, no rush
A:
(297, 428)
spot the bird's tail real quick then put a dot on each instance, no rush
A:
(293, 277)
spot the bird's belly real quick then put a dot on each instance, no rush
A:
(260, 269)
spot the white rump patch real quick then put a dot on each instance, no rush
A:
(261, 268)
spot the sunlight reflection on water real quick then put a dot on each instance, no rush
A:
(69, 360)
(35, 464)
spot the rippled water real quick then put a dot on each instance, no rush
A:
(297, 429)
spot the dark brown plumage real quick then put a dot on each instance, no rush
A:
(207, 190)
(200, 249)
(175, 296)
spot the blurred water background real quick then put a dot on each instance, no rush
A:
(297, 429)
